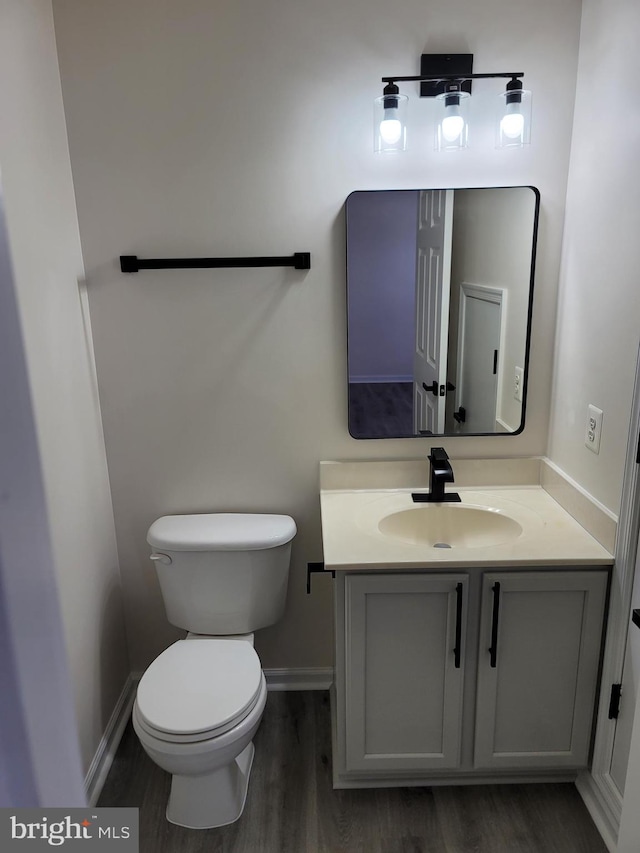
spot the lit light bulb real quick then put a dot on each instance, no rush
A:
(452, 127)
(512, 123)
(390, 127)
(389, 121)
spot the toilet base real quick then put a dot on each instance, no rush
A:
(215, 799)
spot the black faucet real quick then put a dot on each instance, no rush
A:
(440, 472)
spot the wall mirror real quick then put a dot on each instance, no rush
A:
(439, 296)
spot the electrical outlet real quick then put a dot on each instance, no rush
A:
(517, 384)
(593, 429)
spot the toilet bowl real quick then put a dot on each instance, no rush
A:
(197, 710)
(199, 704)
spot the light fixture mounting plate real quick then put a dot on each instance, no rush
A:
(434, 64)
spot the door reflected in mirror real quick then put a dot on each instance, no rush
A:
(439, 296)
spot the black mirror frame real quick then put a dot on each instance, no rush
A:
(527, 353)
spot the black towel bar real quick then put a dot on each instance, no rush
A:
(132, 263)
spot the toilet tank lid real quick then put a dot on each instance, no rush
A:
(221, 531)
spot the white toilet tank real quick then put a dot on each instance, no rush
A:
(222, 573)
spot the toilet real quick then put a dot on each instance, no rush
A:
(199, 704)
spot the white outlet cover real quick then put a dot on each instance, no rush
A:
(593, 428)
(517, 384)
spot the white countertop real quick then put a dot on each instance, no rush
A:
(550, 536)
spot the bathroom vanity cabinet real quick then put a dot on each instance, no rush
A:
(466, 674)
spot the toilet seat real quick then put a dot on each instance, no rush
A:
(198, 689)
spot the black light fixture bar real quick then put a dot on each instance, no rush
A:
(441, 78)
(132, 263)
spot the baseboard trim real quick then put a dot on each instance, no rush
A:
(376, 379)
(599, 808)
(345, 783)
(502, 426)
(103, 758)
(312, 678)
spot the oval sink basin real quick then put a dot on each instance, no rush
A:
(449, 526)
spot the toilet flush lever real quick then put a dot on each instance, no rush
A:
(161, 558)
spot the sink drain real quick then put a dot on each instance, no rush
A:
(442, 545)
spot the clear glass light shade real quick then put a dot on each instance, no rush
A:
(390, 123)
(513, 120)
(452, 124)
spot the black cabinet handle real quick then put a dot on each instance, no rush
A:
(432, 389)
(493, 648)
(457, 650)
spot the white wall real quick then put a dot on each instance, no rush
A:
(599, 303)
(45, 249)
(382, 230)
(599, 309)
(209, 128)
(39, 751)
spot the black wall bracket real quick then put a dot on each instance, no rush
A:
(132, 263)
(316, 568)
(435, 64)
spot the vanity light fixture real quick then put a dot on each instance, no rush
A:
(448, 77)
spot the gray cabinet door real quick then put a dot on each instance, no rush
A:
(538, 660)
(403, 675)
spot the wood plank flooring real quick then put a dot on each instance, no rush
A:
(292, 807)
(381, 409)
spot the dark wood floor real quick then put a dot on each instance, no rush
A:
(381, 409)
(292, 807)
